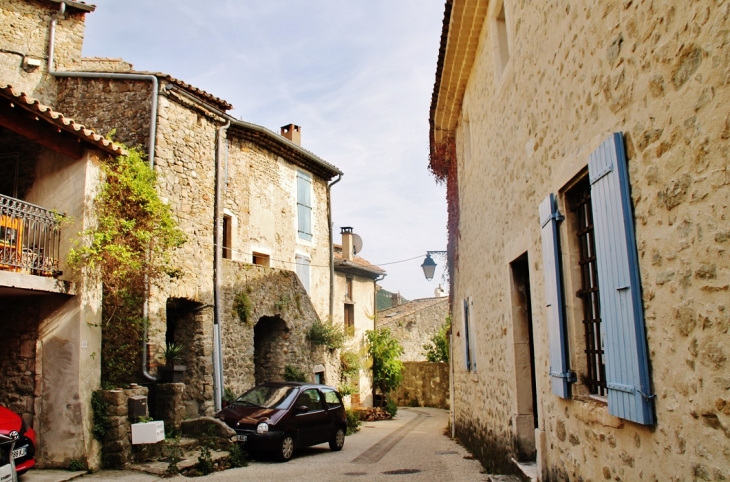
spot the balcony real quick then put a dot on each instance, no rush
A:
(30, 238)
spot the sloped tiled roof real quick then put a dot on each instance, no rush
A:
(405, 309)
(356, 261)
(56, 118)
(86, 7)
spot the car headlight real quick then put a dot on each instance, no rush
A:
(262, 427)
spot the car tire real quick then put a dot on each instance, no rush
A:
(286, 449)
(338, 440)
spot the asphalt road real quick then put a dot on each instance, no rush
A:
(412, 447)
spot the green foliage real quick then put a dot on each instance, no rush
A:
(349, 363)
(384, 351)
(174, 454)
(347, 388)
(173, 352)
(326, 334)
(228, 395)
(130, 247)
(205, 461)
(437, 349)
(353, 421)
(283, 302)
(100, 411)
(243, 307)
(237, 457)
(391, 407)
(76, 466)
(293, 374)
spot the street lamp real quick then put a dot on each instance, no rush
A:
(429, 265)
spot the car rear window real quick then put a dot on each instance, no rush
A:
(331, 398)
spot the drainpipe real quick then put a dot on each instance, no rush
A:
(217, 271)
(332, 246)
(150, 152)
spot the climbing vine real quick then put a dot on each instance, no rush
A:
(129, 248)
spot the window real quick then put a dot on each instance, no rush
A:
(348, 289)
(331, 398)
(469, 339)
(613, 318)
(581, 225)
(349, 319)
(261, 259)
(310, 398)
(227, 237)
(302, 268)
(501, 40)
(304, 206)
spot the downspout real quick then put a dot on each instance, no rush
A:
(332, 246)
(217, 272)
(150, 151)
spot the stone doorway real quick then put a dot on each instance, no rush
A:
(525, 413)
(270, 337)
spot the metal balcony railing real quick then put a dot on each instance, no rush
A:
(30, 238)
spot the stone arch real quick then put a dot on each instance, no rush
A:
(270, 340)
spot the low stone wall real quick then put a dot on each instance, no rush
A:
(166, 403)
(117, 441)
(424, 384)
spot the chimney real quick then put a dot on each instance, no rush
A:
(347, 247)
(395, 299)
(439, 292)
(293, 133)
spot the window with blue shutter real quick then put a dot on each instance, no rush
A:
(467, 341)
(560, 374)
(623, 332)
(302, 269)
(304, 205)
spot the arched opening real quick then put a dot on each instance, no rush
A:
(269, 340)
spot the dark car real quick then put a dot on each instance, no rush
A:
(13, 426)
(279, 417)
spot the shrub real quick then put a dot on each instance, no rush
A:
(437, 349)
(353, 421)
(384, 351)
(242, 306)
(326, 334)
(391, 407)
(100, 410)
(293, 374)
(237, 457)
(346, 389)
(349, 364)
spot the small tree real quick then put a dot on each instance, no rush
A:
(437, 350)
(384, 352)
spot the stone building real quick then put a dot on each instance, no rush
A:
(584, 146)
(50, 322)
(254, 206)
(355, 287)
(414, 323)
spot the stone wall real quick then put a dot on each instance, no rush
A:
(576, 73)
(424, 385)
(414, 323)
(24, 27)
(117, 441)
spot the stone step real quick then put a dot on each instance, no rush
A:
(187, 460)
(528, 470)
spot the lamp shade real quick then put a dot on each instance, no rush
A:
(429, 267)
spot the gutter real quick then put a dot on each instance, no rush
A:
(375, 299)
(150, 151)
(217, 272)
(332, 246)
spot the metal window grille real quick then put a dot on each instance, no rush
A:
(589, 293)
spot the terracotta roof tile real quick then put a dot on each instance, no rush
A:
(59, 120)
(357, 260)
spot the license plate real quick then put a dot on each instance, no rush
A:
(240, 438)
(17, 453)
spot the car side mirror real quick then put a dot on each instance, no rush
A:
(302, 409)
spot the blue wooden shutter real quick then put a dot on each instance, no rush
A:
(467, 345)
(304, 206)
(560, 374)
(622, 314)
(302, 269)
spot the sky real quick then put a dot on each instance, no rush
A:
(356, 76)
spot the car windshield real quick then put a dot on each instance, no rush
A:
(268, 397)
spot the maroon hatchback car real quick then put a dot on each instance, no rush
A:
(14, 427)
(280, 417)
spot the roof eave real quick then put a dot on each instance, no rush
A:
(77, 5)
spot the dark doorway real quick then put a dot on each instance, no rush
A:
(525, 413)
(269, 337)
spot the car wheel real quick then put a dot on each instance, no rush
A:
(286, 449)
(338, 441)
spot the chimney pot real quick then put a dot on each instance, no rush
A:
(293, 133)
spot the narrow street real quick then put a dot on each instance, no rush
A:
(413, 447)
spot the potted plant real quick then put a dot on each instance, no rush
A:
(172, 372)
